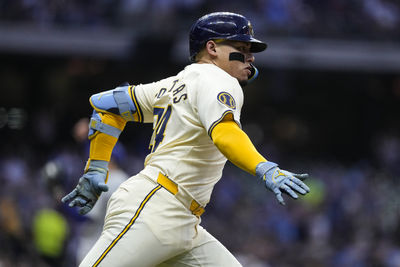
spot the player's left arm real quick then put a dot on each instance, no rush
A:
(111, 111)
(237, 147)
(234, 143)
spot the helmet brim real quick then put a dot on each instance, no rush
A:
(256, 45)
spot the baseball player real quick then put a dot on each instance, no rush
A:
(153, 218)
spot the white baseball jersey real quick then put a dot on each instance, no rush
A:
(184, 110)
(146, 225)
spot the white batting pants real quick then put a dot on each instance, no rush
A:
(147, 226)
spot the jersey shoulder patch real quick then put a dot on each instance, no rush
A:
(227, 99)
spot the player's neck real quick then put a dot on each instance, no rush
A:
(205, 61)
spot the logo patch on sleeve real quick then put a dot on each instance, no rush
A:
(226, 99)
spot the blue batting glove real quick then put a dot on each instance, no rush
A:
(89, 187)
(277, 180)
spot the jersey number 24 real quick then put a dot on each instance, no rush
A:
(163, 115)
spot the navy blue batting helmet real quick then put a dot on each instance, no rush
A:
(222, 25)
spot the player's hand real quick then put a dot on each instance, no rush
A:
(279, 181)
(89, 187)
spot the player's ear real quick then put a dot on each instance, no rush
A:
(211, 48)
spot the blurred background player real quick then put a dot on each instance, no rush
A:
(55, 176)
(196, 122)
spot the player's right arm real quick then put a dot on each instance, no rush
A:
(237, 147)
(111, 111)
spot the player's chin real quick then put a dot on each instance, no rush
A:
(243, 82)
(243, 78)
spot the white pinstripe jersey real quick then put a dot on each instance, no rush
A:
(184, 109)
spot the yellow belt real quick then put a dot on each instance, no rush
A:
(172, 187)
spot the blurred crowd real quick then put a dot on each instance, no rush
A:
(351, 19)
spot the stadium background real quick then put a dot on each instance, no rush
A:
(327, 101)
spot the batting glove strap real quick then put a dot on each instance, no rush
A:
(97, 165)
(263, 167)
